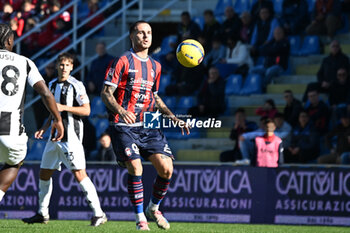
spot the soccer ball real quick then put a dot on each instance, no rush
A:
(190, 53)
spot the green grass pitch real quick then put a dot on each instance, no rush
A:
(60, 226)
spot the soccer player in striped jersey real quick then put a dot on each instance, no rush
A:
(15, 71)
(131, 86)
(73, 103)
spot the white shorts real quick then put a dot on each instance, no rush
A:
(70, 153)
(13, 149)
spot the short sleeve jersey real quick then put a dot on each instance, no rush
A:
(15, 71)
(71, 93)
(136, 81)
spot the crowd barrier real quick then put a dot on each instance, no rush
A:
(198, 193)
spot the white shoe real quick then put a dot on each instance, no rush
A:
(243, 162)
(158, 217)
(142, 226)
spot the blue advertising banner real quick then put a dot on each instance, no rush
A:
(317, 196)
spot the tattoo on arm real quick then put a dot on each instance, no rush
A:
(162, 107)
(109, 99)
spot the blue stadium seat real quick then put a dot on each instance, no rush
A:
(311, 45)
(233, 84)
(294, 42)
(97, 107)
(241, 6)
(252, 85)
(345, 25)
(101, 126)
(36, 150)
(166, 45)
(277, 6)
(170, 102)
(220, 7)
(226, 69)
(311, 4)
(184, 103)
(164, 81)
(199, 20)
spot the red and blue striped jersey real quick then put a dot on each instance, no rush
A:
(136, 81)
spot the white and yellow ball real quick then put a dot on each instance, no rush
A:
(190, 53)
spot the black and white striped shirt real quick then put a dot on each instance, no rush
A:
(71, 93)
(15, 71)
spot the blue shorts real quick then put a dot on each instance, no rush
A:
(130, 143)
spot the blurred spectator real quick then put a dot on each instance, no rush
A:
(105, 151)
(169, 63)
(98, 67)
(264, 28)
(39, 108)
(27, 10)
(294, 16)
(255, 10)
(276, 56)
(345, 7)
(326, 18)
(268, 148)
(211, 96)
(247, 143)
(292, 108)
(267, 110)
(232, 24)
(327, 73)
(283, 129)
(187, 80)
(7, 13)
(241, 126)
(217, 52)
(342, 134)
(203, 41)
(247, 27)
(17, 24)
(238, 53)
(211, 27)
(339, 92)
(30, 43)
(318, 112)
(93, 7)
(305, 142)
(76, 64)
(187, 29)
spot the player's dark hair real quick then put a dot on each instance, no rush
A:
(268, 120)
(65, 56)
(104, 134)
(5, 33)
(133, 26)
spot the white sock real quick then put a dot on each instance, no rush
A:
(152, 206)
(91, 195)
(140, 217)
(2, 193)
(45, 191)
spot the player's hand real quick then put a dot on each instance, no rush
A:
(60, 107)
(184, 127)
(128, 117)
(39, 134)
(58, 127)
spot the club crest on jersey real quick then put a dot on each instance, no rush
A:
(152, 73)
(64, 90)
(128, 151)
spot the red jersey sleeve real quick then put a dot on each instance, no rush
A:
(115, 72)
(155, 87)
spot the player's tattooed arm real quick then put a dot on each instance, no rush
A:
(166, 111)
(111, 103)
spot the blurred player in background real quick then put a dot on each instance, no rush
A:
(131, 87)
(73, 103)
(16, 70)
